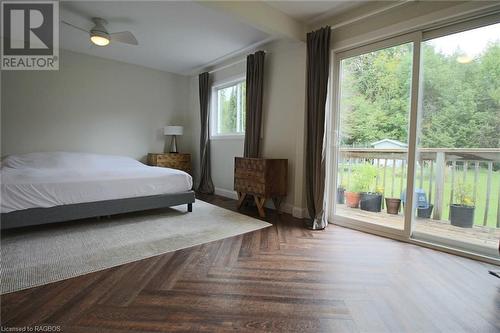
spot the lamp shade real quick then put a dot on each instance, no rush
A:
(173, 130)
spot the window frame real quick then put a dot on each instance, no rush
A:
(214, 114)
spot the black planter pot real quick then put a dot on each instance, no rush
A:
(340, 195)
(371, 202)
(425, 213)
(462, 216)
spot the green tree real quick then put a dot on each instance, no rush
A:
(461, 102)
(377, 95)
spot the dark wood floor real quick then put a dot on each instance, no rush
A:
(284, 278)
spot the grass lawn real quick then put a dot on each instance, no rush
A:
(480, 189)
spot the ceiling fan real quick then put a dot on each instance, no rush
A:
(101, 37)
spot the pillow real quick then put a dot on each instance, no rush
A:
(65, 160)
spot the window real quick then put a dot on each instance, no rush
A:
(229, 109)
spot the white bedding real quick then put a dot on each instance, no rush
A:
(54, 179)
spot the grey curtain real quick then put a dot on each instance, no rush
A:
(206, 185)
(255, 88)
(318, 66)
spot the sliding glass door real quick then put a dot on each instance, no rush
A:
(374, 108)
(416, 152)
(458, 142)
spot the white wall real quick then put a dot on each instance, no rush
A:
(283, 120)
(222, 151)
(284, 115)
(91, 104)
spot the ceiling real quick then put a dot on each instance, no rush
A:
(183, 36)
(313, 11)
(173, 36)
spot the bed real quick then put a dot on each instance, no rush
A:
(40, 188)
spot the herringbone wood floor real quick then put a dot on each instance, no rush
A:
(284, 278)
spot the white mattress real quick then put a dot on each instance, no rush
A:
(54, 179)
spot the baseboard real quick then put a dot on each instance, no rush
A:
(285, 208)
(288, 208)
(300, 213)
(226, 193)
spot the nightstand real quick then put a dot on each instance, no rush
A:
(179, 161)
(262, 178)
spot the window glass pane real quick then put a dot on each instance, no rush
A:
(231, 109)
(458, 161)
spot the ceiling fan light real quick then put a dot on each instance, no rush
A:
(99, 39)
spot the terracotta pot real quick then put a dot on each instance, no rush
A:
(392, 205)
(352, 199)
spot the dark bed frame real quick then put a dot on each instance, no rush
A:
(37, 216)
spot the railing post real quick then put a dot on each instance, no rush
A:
(421, 174)
(349, 170)
(488, 192)
(385, 172)
(341, 171)
(498, 209)
(431, 171)
(401, 183)
(439, 191)
(466, 168)
(476, 176)
(452, 192)
(393, 177)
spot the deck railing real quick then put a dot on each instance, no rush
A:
(437, 163)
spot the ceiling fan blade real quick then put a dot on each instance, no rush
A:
(74, 26)
(124, 37)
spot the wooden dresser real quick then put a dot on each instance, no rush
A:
(179, 161)
(262, 178)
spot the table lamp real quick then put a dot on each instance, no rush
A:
(173, 131)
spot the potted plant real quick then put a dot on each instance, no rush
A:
(352, 193)
(392, 205)
(424, 208)
(425, 212)
(462, 208)
(371, 199)
(340, 194)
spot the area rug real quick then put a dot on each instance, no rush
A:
(46, 254)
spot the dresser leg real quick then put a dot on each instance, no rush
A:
(260, 201)
(277, 203)
(241, 199)
(190, 207)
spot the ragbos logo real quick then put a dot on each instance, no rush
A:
(30, 35)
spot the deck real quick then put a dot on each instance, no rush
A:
(480, 238)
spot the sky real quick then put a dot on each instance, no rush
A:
(471, 42)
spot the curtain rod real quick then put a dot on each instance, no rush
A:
(232, 63)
